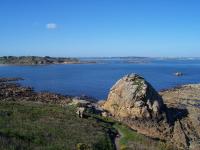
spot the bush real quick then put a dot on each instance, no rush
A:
(82, 146)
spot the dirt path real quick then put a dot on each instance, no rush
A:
(117, 139)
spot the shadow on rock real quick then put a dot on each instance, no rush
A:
(174, 114)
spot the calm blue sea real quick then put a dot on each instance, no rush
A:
(95, 80)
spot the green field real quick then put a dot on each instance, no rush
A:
(29, 125)
(33, 126)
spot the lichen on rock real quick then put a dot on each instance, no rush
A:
(133, 101)
(134, 97)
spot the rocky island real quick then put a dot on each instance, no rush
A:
(134, 116)
(37, 60)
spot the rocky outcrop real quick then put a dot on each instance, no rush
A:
(173, 116)
(134, 97)
(186, 130)
(11, 91)
(179, 136)
(80, 111)
(178, 74)
(135, 102)
(88, 105)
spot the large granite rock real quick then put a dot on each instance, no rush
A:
(134, 97)
(134, 101)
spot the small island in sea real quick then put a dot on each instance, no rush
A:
(38, 60)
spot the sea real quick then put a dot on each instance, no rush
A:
(95, 80)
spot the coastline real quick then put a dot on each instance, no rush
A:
(12, 88)
(178, 86)
(17, 86)
(38, 60)
(66, 63)
(14, 92)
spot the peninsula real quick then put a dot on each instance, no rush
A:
(37, 60)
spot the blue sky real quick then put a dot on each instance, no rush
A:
(79, 28)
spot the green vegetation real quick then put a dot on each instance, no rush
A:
(131, 140)
(27, 125)
(35, 60)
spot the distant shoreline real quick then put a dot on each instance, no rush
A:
(47, 60)
(37, 60)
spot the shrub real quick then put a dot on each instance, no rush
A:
(82, 146)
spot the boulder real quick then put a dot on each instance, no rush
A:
(133, 101)
(134, 97)
(79, 102)
(80, 111)
(178, 74)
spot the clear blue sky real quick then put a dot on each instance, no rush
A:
(100, 27)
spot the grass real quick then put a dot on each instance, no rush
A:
(131, 140)
(32, 126)
(27, 125)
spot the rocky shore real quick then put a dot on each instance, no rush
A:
(12, 91)
(171, 115)
(186, 101)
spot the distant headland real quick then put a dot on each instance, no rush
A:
(47, 60)
(38, 60)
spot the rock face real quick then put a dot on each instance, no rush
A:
(180, 138)
(134, 101)
(186, 130)
(134, 97)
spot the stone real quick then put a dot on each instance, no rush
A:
(80, 111)
(79, 102)
(134, 97)
(133, 101)
(178, 74)
(104, 114)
